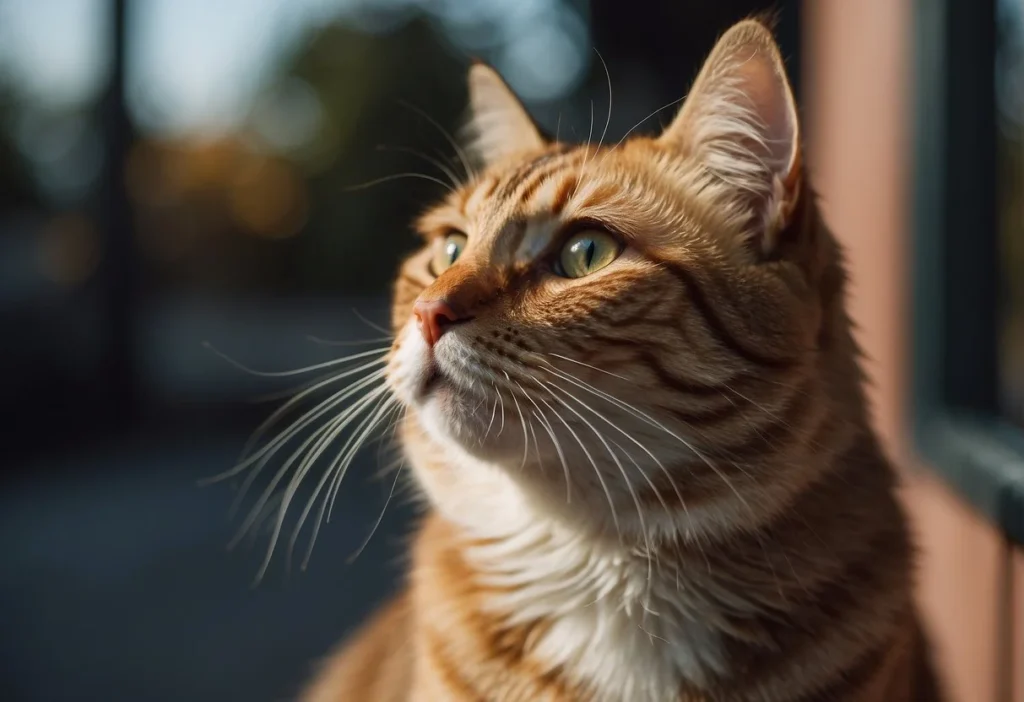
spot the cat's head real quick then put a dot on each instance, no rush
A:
(620, 328)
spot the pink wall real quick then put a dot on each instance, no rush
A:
(857, 101)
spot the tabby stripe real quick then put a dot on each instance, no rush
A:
(635, 318)
(411, 280)
(537, 178)
(684, 386)
(491, 185)
(718, 328)
(770, 439)
(854, 678)
(599, 195)
(448, 671)
(563, 192)
(517, 176)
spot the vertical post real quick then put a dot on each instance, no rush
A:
(117, 275)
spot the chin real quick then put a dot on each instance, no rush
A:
(473, 421)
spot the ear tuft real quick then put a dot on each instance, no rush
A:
(499, 125)
(740, 121)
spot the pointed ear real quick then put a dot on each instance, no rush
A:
(499, 125)
(740, 122)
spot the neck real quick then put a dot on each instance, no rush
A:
(630, 623)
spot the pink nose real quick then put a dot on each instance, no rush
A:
(435, 317)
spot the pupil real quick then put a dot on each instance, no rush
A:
(453, 251)
(589, 252)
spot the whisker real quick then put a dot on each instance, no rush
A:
(622, 471)
(459, 151)
(608, 118)
(554, 440)
(587, 365)
(426, 157)
(586, 154)
(597, 471)
(380, 517)
(635, 126)
(345, 460)
(633, 411)
(322, 438)
(317, 439)
(359, 315)
(714, 468)
(397, 176)
(298, 397)
(526, 445)
(289, 373)
(339, 468)
(359, 342)
(299, 424)
(494, 408)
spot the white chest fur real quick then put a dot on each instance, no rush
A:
(627, 631)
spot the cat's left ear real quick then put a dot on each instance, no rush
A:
(740, 121)
(499, 125)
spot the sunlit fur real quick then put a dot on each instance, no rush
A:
(658, 481)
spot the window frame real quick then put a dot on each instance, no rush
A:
(956, 419)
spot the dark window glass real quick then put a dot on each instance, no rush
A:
(1010, 135)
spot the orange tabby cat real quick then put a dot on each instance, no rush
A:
(635, 406)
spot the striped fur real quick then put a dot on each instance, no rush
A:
(658, 481)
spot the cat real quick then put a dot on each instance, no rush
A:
(636, 410)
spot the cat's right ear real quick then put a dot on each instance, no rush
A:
(498, 125)
(740, 121)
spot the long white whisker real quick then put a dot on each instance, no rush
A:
(359, 342)
(298, 397)
(373, 397)
(345, 460)
(340, 468)
(289, 373)
(554, 440)
(371, 324)
(398, 176)
(494, 409)
(322, 438)
(634, 127)
(715, 469)
(622, 471)
(380, 517)
(587, 365)
(632, 410)
(608, 118)
(426, 157)
(444, 132)
(522, 420)
(268, 451)
(586, 155)
(597, 471)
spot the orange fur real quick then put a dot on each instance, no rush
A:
(680, 497)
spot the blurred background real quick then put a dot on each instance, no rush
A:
(174, 172)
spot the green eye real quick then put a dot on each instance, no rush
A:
(587, 252)
(446, 251)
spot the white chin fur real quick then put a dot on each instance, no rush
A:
(455, 409)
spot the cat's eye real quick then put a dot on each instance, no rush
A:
(586, 252)
(447, 250)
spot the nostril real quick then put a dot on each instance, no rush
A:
(435, 317)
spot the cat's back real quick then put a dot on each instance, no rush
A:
(375, 665)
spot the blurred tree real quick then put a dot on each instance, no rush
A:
(361, 83)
